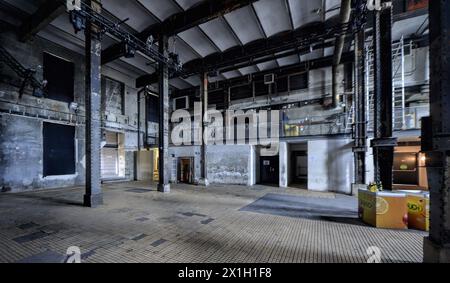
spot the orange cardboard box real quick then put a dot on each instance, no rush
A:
(383, 209)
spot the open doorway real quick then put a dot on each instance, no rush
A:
(147, 165)
(298, 165)
(185, 170)
(299, 168)
(409, 170)
(113, 157)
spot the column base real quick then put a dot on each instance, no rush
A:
(203, 182)
(93, 200)
(434, 253)
(164, 188)
(356, 188)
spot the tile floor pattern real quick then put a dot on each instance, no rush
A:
(191, 224)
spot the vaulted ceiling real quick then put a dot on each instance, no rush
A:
(235, 29)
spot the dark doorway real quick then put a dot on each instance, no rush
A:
(270, 170)
(405, 169)
(185, 171)
(59, 149)
(299, 168)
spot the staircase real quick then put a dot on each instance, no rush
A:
(26, 74)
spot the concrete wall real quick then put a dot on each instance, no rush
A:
(330, 165)
(21, 119)
(21, 156)
(144, 160)
(284, 164)
(231, 164)
(227, 164)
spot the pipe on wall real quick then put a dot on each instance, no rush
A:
(345, 13)
(139, 116)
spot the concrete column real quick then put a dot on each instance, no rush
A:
(164, 160)
(93, 196)
(437, 245)
(204, 153)
(284, 164)
(383, 144)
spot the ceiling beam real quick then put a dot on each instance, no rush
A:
(301, 38)
(286, 70)
(45, 14)
(197, 15)
(296, 51)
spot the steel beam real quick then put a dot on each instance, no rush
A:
(437, 246)
(164, 166)
(45, 14)
(360, 130)
(204, 144)
(197, 15)
(383, 144)
(93, 45)
(283, 71)
(299, 38)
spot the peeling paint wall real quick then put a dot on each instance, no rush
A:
(21, 152)
(229, 164)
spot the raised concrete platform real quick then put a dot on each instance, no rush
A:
(190, 224)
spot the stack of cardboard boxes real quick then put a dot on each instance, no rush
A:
(395, 210)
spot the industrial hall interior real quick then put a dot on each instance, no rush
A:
(224, 131)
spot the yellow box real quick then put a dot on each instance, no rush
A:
(383, 209)
(292, 130)
(418, 209)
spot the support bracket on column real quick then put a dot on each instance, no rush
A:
(384, 142)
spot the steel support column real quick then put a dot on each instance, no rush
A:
(93, 45)
(360, 130)
(437, 246)
(164, 166)
(204, 155)
(383, 144)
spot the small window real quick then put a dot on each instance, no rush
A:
(181, 103)
(241, 92)
(282, 84)
(299, 81)
(217, 98)
(260, 88)
(407, 50)
(59, 74)
(59, 150)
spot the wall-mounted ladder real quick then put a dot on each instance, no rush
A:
(398, 84)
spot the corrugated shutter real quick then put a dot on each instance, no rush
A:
(110, 163)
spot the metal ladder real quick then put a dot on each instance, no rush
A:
(398, 85)
(27, 74)
(350, 118)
